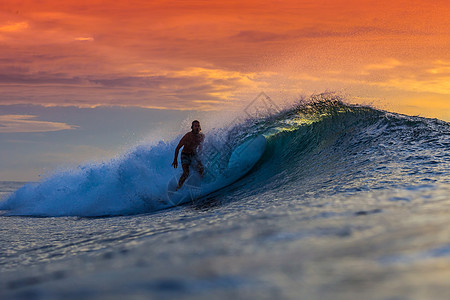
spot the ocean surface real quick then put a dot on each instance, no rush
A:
(323, 200)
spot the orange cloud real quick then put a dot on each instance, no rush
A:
(182, 54)
(12, 27)
(88, 39)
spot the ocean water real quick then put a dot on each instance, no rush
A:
(320, 201)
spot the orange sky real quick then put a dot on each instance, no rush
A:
(210, 54)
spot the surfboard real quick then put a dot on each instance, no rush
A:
(190, 190)
(246, 155)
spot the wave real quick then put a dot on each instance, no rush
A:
(321, 146)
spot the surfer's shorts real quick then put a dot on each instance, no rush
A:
(188, 159)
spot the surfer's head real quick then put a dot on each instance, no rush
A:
(196, 128)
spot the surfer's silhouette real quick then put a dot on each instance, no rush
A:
(191, 143)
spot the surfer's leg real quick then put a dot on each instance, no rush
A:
(200, 168)
(183, 176)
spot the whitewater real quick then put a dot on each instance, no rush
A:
(323, 200)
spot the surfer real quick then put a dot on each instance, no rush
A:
(191, 143)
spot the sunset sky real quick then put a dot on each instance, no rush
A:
(63, 60)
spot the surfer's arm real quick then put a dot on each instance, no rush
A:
(177, 150)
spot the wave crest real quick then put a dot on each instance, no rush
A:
(320, 144)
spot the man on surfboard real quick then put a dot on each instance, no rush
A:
(191, 143)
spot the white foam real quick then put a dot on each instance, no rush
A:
(137, 182)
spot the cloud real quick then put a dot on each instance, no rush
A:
(440, 67)
(388, 64)
(24, 123)
(441, 86)
(87, 39)
(254, 36)
(190, 88)
(13, 27)
(186, 55)
(39, 78)
(425, 77)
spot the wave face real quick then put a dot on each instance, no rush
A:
(319, 148)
